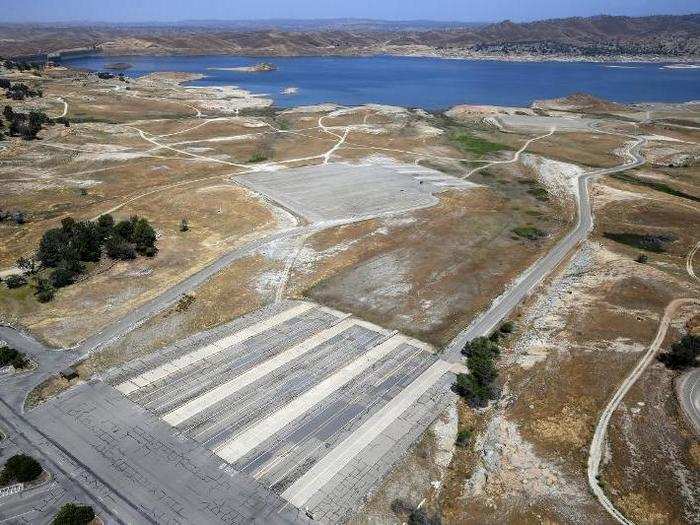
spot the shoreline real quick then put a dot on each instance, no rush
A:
(688, 62)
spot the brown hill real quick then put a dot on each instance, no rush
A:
(666, 36)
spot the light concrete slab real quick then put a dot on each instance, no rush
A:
(324, 470)
(200, 403)
(163, 371)
(241, 444)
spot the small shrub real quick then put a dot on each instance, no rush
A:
(44, 290)
(183, 225)
(464, 436)
(682, 354)
(257, 157)
(10, 356)
(642, 258)
(529, 232)
(15, 281)
(507, 328)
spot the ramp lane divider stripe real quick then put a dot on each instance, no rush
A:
(221, 392)
(241, 444)
(158, 373)
(324, 470)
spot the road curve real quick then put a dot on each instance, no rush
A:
(688, 393)
(504, 304)
(595, 453)
(688, 385)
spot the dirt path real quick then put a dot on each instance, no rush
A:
(689, 260)
(595, 453)
(515, 157)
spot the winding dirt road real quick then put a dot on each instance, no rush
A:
(595, 453)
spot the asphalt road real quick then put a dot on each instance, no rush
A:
(503, 305)
(688, 390)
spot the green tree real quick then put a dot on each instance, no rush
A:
(21, 468)
(44, 291)
(105, 225)
(682, 354)
(52, 247)
(73, 514)
(144, 237)
(118, 248)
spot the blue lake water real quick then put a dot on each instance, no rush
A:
(423, 82)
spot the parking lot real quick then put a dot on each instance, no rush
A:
(310, 402)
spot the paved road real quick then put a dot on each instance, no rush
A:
(595, 453)
(688, 392)
(688, 385)
(503, 305)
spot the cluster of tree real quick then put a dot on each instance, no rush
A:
(19, 91)
(22, 65)
(11, 357)
(65, 249)
(74, 514)
(682, 354)
(478, 386)
(16, 216)
(20, 468)
(28, 125)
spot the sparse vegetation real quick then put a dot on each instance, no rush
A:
(15, 358)
(183, 225)
(648, 242)
(257, 157)
(464, 436)
(529, 232)
(20, 468)
(682, 354)
(642, 258)
(74, 514)
(469, 143)
(15, 281)
(655, 185)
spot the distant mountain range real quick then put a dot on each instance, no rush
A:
(593, 38)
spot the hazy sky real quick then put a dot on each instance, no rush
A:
(462, 10)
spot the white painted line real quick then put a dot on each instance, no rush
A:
(241, 444)
(332, 463)
(163, 371)
(198, 404)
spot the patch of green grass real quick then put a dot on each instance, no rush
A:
(529, 232)
(463, 437)
(648, 242)
(472, 144)
(257, 157)
(655, 185)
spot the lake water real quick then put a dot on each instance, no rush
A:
(423, 82)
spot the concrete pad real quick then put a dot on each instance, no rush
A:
(246, 441)
(341, 190)
(324, 470)
(200, 354)
(232, 386)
